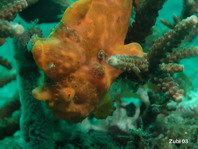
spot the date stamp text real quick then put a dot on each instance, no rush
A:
(178, 141)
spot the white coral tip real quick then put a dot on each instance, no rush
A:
(193, 19)
(113, 61)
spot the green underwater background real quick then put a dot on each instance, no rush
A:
(158, 111)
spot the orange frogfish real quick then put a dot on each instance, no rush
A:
(74, 58)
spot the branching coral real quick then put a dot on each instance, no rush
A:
(161, 73)
(129, 63)
(8, 12)
(176, 126)
(170, 25)
(10, 29)
(36, 127)
(190, 7)
(10, 76)
(170, 40)
(9, 122)
(171, 67)
(12, 105)
(170, 87)
(31, 2)
(9, 125)
(7, 79)
(5, 63)
(44, 10)
(9, 113)
(180, 53)
(9, 117)
(145, 18)
(162, 62)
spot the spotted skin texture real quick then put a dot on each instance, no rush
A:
(77, 76)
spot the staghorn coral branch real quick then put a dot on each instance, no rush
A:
(191, 35)
(144, 20)
(2, 41)
(168, 86)
(31, 2)
(176, 19)
(35, 124)
(12, 105)
(171, 67)
(34, 32)
(44, 10)
(128, 63)
(10, 29)
(9, 126)
(167, 23)
(9, 117)
(195, 8)
(171, 25)
(7, 79)
(179, 54)
(9, 11)
(188, 6)
(169, 41)
(5, 63)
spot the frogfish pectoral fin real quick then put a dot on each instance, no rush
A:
(41, 93)
(133, 49)
(105, 107)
